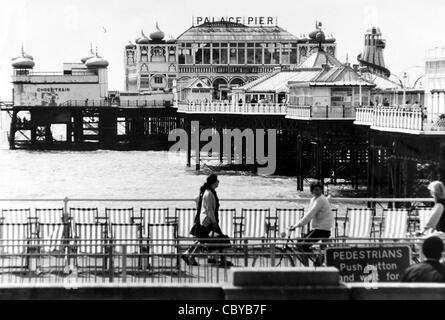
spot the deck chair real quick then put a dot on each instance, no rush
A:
(287, 218)
(86, 215)
(119, 215)
(226, 217)
(52, 226)
(185, 218)
(163, 246)
(255, 221)
(15, 235)
(150, 216)
(358, 223)
(395, 224)
(16, 230)
(90, 231)
(128, 235)
(424, 215)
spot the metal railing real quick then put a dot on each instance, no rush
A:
(108, 258)
(143, 261)
(224, 107)
(115, 103)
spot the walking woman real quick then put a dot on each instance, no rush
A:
(206, 227)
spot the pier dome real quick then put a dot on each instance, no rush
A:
(91, 54)
(158, 35)
(130, 45)
(24, 61)
(143, 39)
(96, 63)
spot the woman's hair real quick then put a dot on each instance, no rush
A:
(211, 179)
(438, 189)
(315, 185)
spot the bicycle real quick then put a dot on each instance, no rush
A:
(293, 250)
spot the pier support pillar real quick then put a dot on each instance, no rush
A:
(108, 129)
(12, 130)
(188, 128)
(78, 128)
(299, 162)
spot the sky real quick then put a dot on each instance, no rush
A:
(58, 31)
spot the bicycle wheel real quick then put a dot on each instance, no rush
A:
(284, 255)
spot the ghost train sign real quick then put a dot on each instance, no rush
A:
(370, 264)
(248, 21)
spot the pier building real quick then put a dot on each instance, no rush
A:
(80, 81)
(223, 53)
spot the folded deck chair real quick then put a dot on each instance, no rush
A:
(51, 230)
(395, 223)
(288, 218)
(163, 246)
(358, 223)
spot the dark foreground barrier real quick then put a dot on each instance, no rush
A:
(244, 284)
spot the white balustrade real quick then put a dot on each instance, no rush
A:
(222, 107)
(395, 118)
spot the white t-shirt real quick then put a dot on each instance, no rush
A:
(320, 214)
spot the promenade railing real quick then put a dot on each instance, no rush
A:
(78, 261)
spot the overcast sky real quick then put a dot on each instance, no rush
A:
(57, 31)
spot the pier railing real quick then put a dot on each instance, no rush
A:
(399, 119)
(224, 107)
(116, 103)
(364, 116)
(321, 112)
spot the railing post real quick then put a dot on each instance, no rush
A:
(124, 263)
(110, 263)
(246, 253)
(272, 256)
(65, 206)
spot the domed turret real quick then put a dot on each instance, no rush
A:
(96, 62)
(130, 45)
(143, 39)
(91, 55)
(313, 34)
(158, 35)
(320, 37)
(25, 61)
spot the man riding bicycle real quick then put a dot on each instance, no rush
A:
(321, 217)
